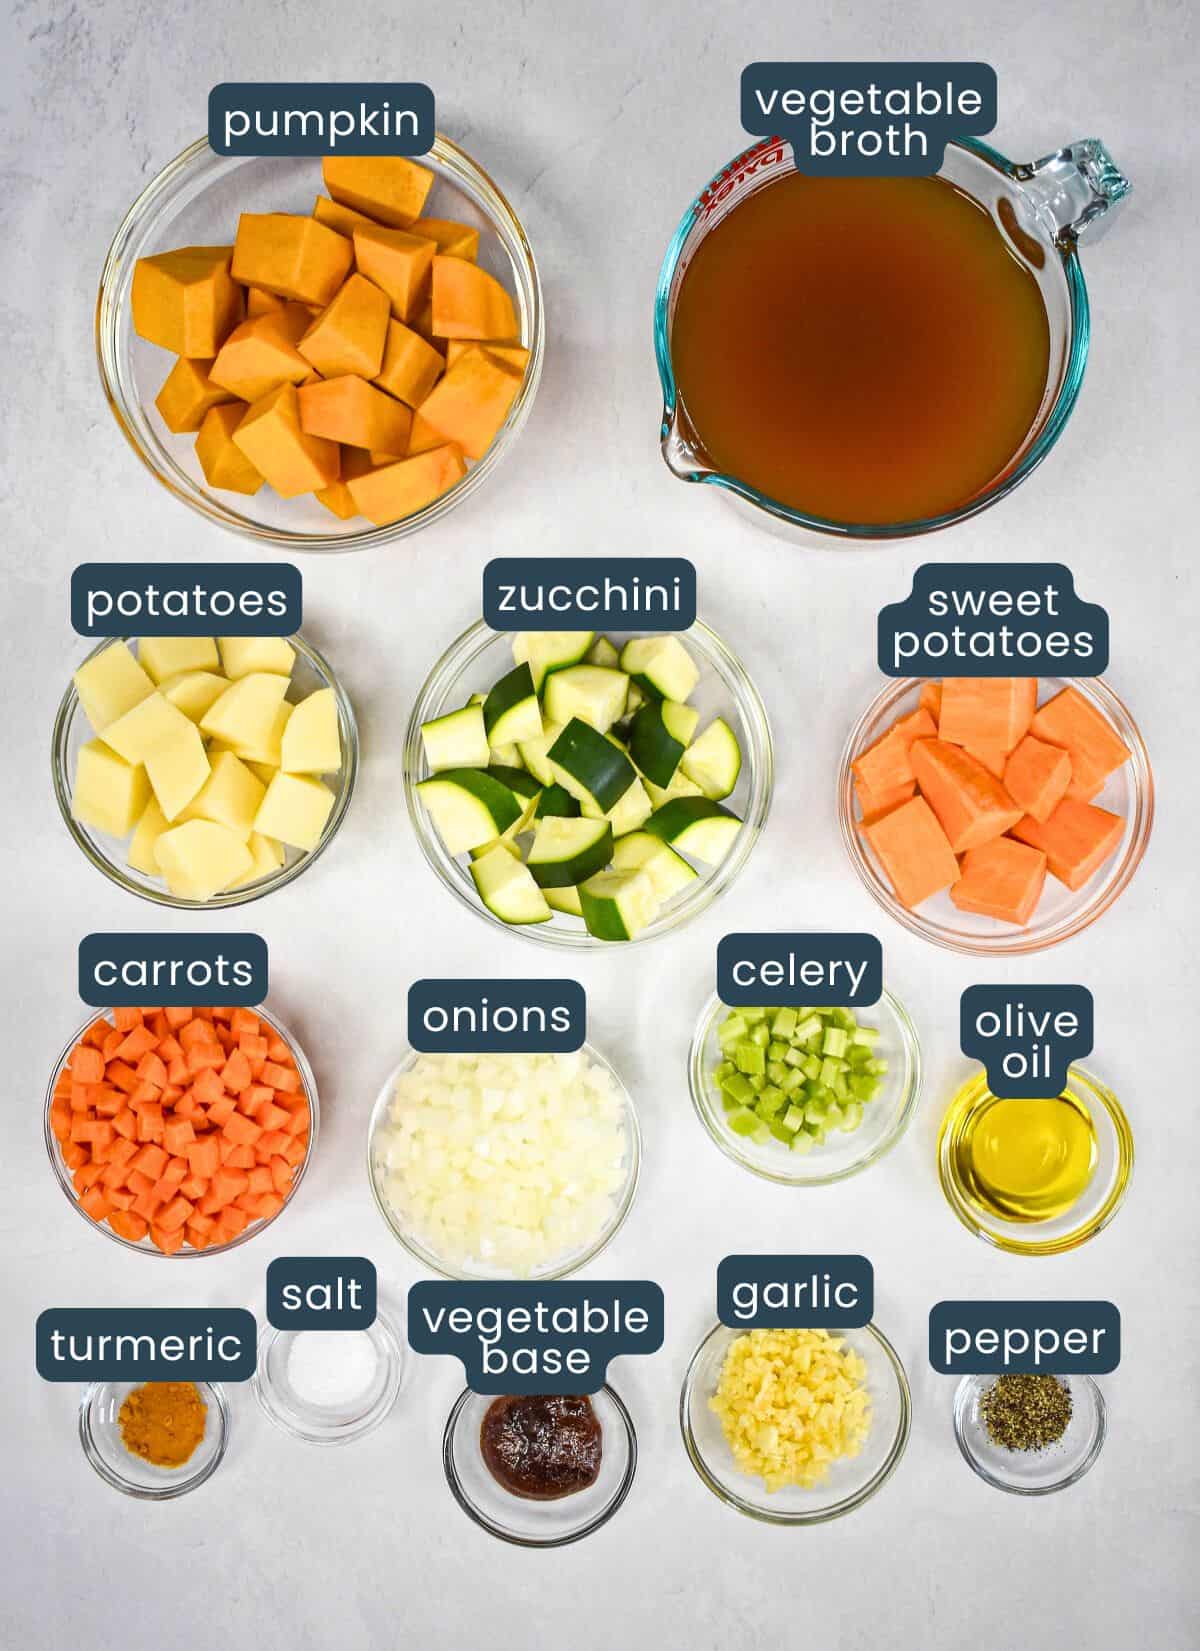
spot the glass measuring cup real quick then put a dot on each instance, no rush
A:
(1042, 209)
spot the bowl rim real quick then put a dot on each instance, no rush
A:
(962, 1395)
(466, 171)
(434, 1264)
(752, 714)
(213, 1391)
(1075, 919)
(911, 1087)
(60, 739)
(143, 1246)
(384, 1333)
(458, 1491)
(819, 1516)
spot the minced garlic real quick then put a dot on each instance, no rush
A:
(791, 1402)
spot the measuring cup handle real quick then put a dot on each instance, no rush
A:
(1077, 188)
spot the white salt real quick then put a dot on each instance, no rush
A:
(331, 1369)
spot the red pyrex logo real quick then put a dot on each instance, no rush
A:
(767, 153)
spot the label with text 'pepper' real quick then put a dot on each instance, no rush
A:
(1061, 1338)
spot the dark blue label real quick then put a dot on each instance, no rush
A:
(993, 619)
(168, 970)
(321, 1292)
(817, 969)
(795, 1292)
(1026, 1036)
(1061, 1338)
(186, 599)
(321, 118)
(536, 1338)
(149, 1344)
(853, 120)
(557, 593)
(467, 1017)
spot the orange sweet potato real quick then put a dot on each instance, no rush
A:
(914, 851)
(1076, 839)
(971, 804)
(986, 712)
(1002, 879)
(1072, 722)
(1036, 777)
(886, 766)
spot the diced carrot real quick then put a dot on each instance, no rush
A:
(151, 1160)
(914, 851)
(208, 1087)
(147, 1205)
(95, 1204)
(260, 1179)
(221, 1111)
(150, 1123)
(202, 1055)
(171, 1094)
(108, 1102)
(211, 1203)
(234, 1221)
(204, 1157)
(253, 1046)
(187, 1106)
(125, 1019)
(272, 1117)
(178, 1071)
(248, 1201)
(157, 1023)
(125, 1124)
(226, 1039)
(254, 1097)
(177, 1133)
(238, 1157)
(1076, 839)
(930, 699)
(95, 1131)
(200, 1223)
(229, 1184)
(87, 1064)
(175, 1214)
(111, 1044)
(194, 1187)
(138, 1181)
(197, 1032)
(1002, 879)
(152, 1069)
(60, 1120)
(236, 1075)
(139, 1042)
(1071, 721)
(269, 1204)
(270, 1144)
(97, 1032)
(281, 1077)
(277, 1050)
(296, 1150)
(86, 1175)
(114, 1174)
(1036, 777)
(74, 1153)
(170, 1048)
(146, 1094)
(971, 805)
(885, 766)
(178, 1017)
(281, 1175)
(244, 1022)
(127, 1224)
(124, 1077)
(239, 1129)
(168, 1242)
(987, 712)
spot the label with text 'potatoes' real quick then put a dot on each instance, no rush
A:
(186, 599)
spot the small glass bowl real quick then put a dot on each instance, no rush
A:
(196, 200)
(144, 1246)
(527, 1523)
(72, 730)
(1095, 1208)
(100, 1436)
(1060, 912)
(559, 1268)
(884, 1119)
(850, 1482)
(1032, 1472)
(327, 1424)
(480, 656)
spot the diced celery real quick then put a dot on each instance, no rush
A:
(802, 1141)
(760, 1034)
(738, 1088)
(851, 1117)
(866, 1035)
(808, 1027)
(784, 1023)
(758, 1083)
(770, 1101)
(749, 1057)
(794, 1057)
(792, 1118)
(835, 1042)
(776, 1072)
(752, 1016)
(743, 1122)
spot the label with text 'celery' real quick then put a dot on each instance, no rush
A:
(993, 619)
(169, 970)
(536, 1338)
(189, 599)
(818, 969)
(854, 120)
(321, 118)
(795, 1292)
(556, 593)
(1026, 1036)
(321, 1292)
(1059, 1338)
(472, 1017)
(147, 1344)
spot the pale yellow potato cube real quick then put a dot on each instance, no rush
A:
(242, 655)
(246, 714)
(267, 855)
(165, 656)
(231, 795)
(269, 751)
(110, 794)
(178, 767)
(295, 810)
(200, 857)
(193, 692)
(310, 743)
(265, 771)
(111, 684)
(141, 846)
(154, 722)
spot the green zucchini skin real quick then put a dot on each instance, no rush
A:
(597, 765)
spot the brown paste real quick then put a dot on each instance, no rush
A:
(542, 1447)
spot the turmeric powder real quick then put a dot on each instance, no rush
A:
(163, 1422)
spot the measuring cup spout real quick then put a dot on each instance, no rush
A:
(1075, 189)
(681, 447)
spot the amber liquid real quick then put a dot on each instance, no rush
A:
(865, 350)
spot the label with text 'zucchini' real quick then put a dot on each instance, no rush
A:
(186, 599)
(556, 593)
(1060, 1338)
(322, 1292)
(169, 970)
(470, 1017)
(819, 969)
(1026, 1036)
(321, 118)
(147, 1344)
(795, 1292)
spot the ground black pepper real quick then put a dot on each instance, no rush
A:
(1026, 1412)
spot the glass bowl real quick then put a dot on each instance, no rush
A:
(850, 1483)
(100, 1436)
(196, 200)
(1060, 913)
(558, 1268)
(1095, 1208)
(527, 1523)
(332, 1424)
(1032, 1472)
(481, 656)
(72, 730)
(144, 1246)
(884, 1119)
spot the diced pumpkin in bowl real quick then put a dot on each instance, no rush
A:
(471, 401)
(349, 334)
(1077, 839)
(110, 794)
(1002, 879)
(398, 263)
(394, 491)
(295, 810)
(389, 188)
(470, 303)
(260, 355)
(272, 438)
(187, 394)
(110, 684)
(349, 410)
(292, 256)
(411, 366)
(336, 497)
(222, 461)
(336, 216)
(261, 302)
(1093, 744)
(187, 300)
(1036, 777)
(199, 858)
(514, 355)
(914, 851)
(453, 240)
(971, 805)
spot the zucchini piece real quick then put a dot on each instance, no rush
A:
(457, 740)
(696, 826)
(516, 779)
(504, 756)
(589, 766)
(511, 712)
(668, 871)
(590, 692)
(557, 801)
(566, 852)
(603, 653)
(476, 699)
(469, 807)
(564, 900)
(661, 665)
(714, 761)
(631, 812)
(507, 888)
(547, 651)
(533, 752)
(658, 738)
(680, 786)
(617, 905)
(508, 844)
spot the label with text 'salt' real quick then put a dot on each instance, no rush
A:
(1060, 1338)
(1026, 1036)
(469, 1017)
(552, 593)
(321, 1292)
(321, 118)
(824, 970)
(149, 1344)
(795, 1292)
(171, 970)
(186, 599)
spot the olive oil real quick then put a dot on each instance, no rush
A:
(1027, 1160)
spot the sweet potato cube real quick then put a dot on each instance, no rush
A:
(470, 303)
(453, 240)
(886, 766)
(393, 491)
(349, 334)
(398, 263)
(187, 394)
(1073, 723)
(272, 439)
(930, 699)
(987, 712)
(351, 410)
(914, 852)
(1076, 839)
(224, 464)
(874, 804)
(342, 218)
(411, 366)
(388, 188)
(1002, 879)
(292, 256)
(186, 300)
(472, 400)
(1036, 777)
(971, 805)
(261, 354)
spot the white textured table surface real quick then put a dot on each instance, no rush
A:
(600, 123)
